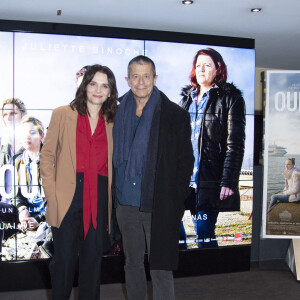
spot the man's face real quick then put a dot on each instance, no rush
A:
(11, 115)
(141, 81)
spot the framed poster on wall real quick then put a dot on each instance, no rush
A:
(281, 192)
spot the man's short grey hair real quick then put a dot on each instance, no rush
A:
(141, 60)
(18, 103)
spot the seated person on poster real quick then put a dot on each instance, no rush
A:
(291, 192)
(217, 111)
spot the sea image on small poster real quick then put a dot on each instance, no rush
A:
(281, 198)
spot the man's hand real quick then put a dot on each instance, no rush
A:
(225, 192)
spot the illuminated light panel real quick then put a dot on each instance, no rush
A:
(255, 9)
(187, 2)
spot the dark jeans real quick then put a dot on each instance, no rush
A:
(204, 225)
(279, 198)
(135, 227)
(115, 234)
(69, 244)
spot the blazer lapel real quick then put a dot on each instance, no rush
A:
(71, 128)
(109, 128)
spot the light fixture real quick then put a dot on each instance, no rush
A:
(187, 2)
(255, 9)
(58, 12)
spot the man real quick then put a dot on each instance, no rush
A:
(153, 161)
(13, 110)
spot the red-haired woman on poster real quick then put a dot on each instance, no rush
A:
(217, 111)
(76, 169)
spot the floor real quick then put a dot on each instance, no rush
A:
(255, 284)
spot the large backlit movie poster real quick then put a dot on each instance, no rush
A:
(230, 227)
(41, 74)
(281, 205)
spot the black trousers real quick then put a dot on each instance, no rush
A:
(69, 244)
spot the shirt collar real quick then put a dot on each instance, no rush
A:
(27, 160)
(194, 92)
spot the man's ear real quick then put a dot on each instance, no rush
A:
(128, 81)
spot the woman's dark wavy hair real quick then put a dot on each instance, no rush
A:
(109, 107)
(220, 65)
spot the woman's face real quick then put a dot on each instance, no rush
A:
(97, 91)
(32, 137)
(288, 164)
(205, 71)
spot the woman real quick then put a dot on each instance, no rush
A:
(28, 208)
(291, 192)
(217, 111)
(76, 168)
(29, 201)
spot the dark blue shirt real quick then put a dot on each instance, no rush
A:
(128, 192)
